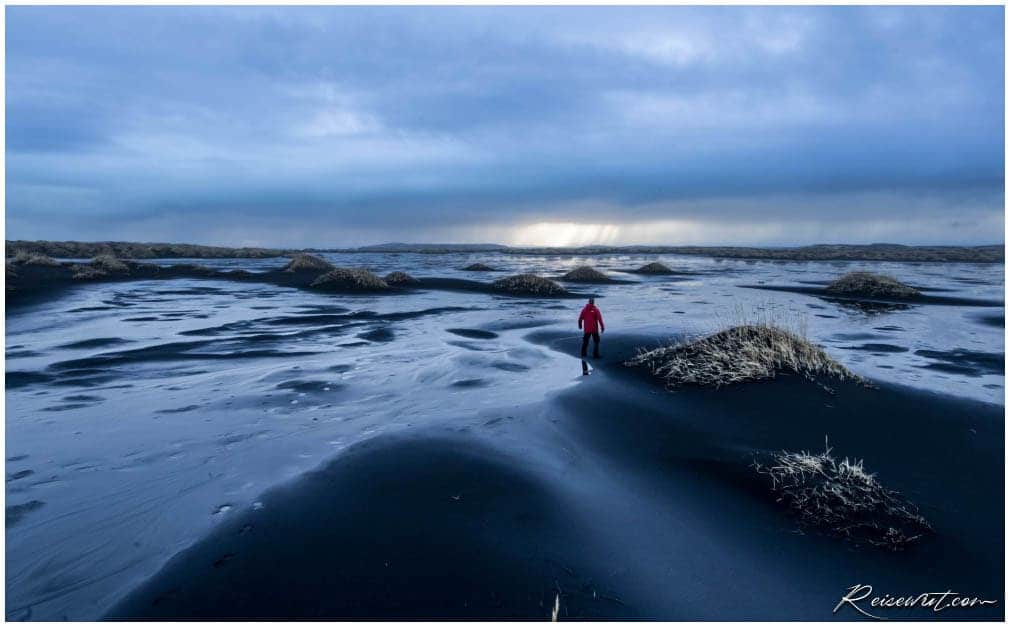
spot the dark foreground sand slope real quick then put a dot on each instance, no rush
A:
(430, 527)
(624, 500)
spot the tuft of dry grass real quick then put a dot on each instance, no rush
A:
(100, 267)
(34, 259)
(352, 279)
(109, 265)
(303, 262)
(748, 352)
(529, 284)
(655, 268)
(586, 274)
(842, 498)
(399, 278)
(479, 267)
(870, 284)
(86, 272)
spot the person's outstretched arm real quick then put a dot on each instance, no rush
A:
(582, 314)
(599, 314)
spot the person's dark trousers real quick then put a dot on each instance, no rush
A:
(596, 343)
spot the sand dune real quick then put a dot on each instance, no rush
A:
(632, 504)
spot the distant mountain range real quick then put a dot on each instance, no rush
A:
(820, 252)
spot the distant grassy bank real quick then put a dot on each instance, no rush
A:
(819, 252)
(138, 250)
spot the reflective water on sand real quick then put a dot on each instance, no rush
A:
(141, 414)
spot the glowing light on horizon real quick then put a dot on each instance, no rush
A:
(652, 232)
(565, 234)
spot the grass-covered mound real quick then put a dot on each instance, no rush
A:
(871, 285)
(843, 499)
(749, 352)
(304, 262)
(400, 278)
(655, 268)
(86, 272)
(102, 266)
(350, 279)
(479, 267)
(586, 274)
(528, 284)
(26, 258)
(110, 265)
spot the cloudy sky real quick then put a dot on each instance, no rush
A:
(327, 126)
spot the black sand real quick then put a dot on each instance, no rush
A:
(37, 283)
(924, 299)
(450, 529)
(625, 500)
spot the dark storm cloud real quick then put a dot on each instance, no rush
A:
(330, 125)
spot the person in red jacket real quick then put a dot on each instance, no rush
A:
(591, 323)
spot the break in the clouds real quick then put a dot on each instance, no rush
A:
(344, 125)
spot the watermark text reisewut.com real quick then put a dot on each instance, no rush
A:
(860, 597)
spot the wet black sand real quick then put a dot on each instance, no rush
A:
(560, 278)
(992, 321)
(435, 526)
(478, 287)
(924, 299)
(625, 500)
(37, 283)
(672, 274)
(216, 343)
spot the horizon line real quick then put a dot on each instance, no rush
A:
(10, 241)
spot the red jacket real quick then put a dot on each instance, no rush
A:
(589, 318)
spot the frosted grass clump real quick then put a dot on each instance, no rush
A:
(655, 268)
(34, 259)
(400, 278)
(870, 284)
(748, 352)
(586, 274)
(303, 262)
(844, 499)
(352, 279)
(109, 264)
(528, 284)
